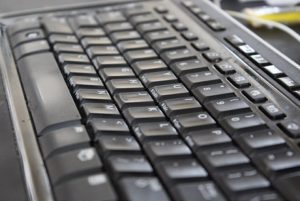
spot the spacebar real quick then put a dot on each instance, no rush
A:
(48, 98)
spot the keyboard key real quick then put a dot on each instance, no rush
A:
(148, 66)
(90, 32)
(161, 9)
(239, 80)
(130, 99)
(212, 56)
(95, 41)
(242, 122)
(142, 188)
(200, 46)
(170, 18)
(288, 185)
(79, 69)
(204, 138)
(115, 27)
(83, 21)
(92, 95)
(288, 83)
(292, 128)
(149, 27)
(63, 139)
(136, 11)
(180, 105)
(163, 92)
(228, 106)
(159, 35)
(192, 80)
(273, 71)
(109, 61)
(193, 121)
(132, 45)
(210, 92)
(85, 82)
(265, 195)
(138, 55)
(178, 26)
(255, 95)
(177, 55)
(117, 72)
(41, 86)
(110, 17)
(143, 18)
(27, 36)
(124, 35)
(145, 131)
(164, 45)
(246, 49)
(91, 187)
(272, 111)
(67, 165)
(189, 36)
(31, 48)
(63, 38)
(235, 40)
(195, 191)
(100, 109)
(158, 149)
(102, 51)
(193, 65)
(216, 26)
(122, 164)
(55, 25)
(225, 68)
(259, 140)
(259, 60)
(66, 58)
(143, 114)
(67, 48)
(21, 25)
(117, 143)
(124, 85)
(158, 78)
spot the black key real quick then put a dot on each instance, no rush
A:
(158, 149)
(265, 195)
(95, 41)
(200, 46)
(117, 72)
(193, 65)
(288, 83)
(292, 128)
(100, 109)
(66, 58)
(41, 86)
(180, 106)
(110, 17)
(83, 21)
(195, 191)
(138, 55)
(143, 114)
(273, 71)
(222, 156)
(246, 179)
(68, 165)
(189, 36)
(164, 45)
(259, 140)
(225, 68)
(115, 27)
(246, 49)
(92, 95)
(178, 26)
(192, 80)
(93, 187)
(235, 40)
(288, 185)
(210, 92)
(85, 82)
(204, 138)
(21, 25)
(158, 78)
(242, 122)
(27, 36)
(67, 48)
(55, 25)
(63, 38)
(79, 69)
(259, 60)
(102, 51)
(149, 27)
(63, 139)
(255, 95)
(212, 56)
(118, 143)
(159, 35)
(31, 48)
(272, 111)
(124, 85)
(170, 18)
(132, 45)
(90, 32)
(214, 25)
(193, 121)
(177, 55)
(107, 126)
(278, 161)
(131, 99)
(142, 188)
(181, 169)
(122, 164)
(239, 80)
(148, 66)
(163, 92)
(145, 131)
(109, 61)
(144, 18)
(228, 106)
(124, 35)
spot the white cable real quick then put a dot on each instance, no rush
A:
(268, 23)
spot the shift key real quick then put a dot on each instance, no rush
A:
(48, 98)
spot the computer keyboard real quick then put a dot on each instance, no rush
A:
(154, 101)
